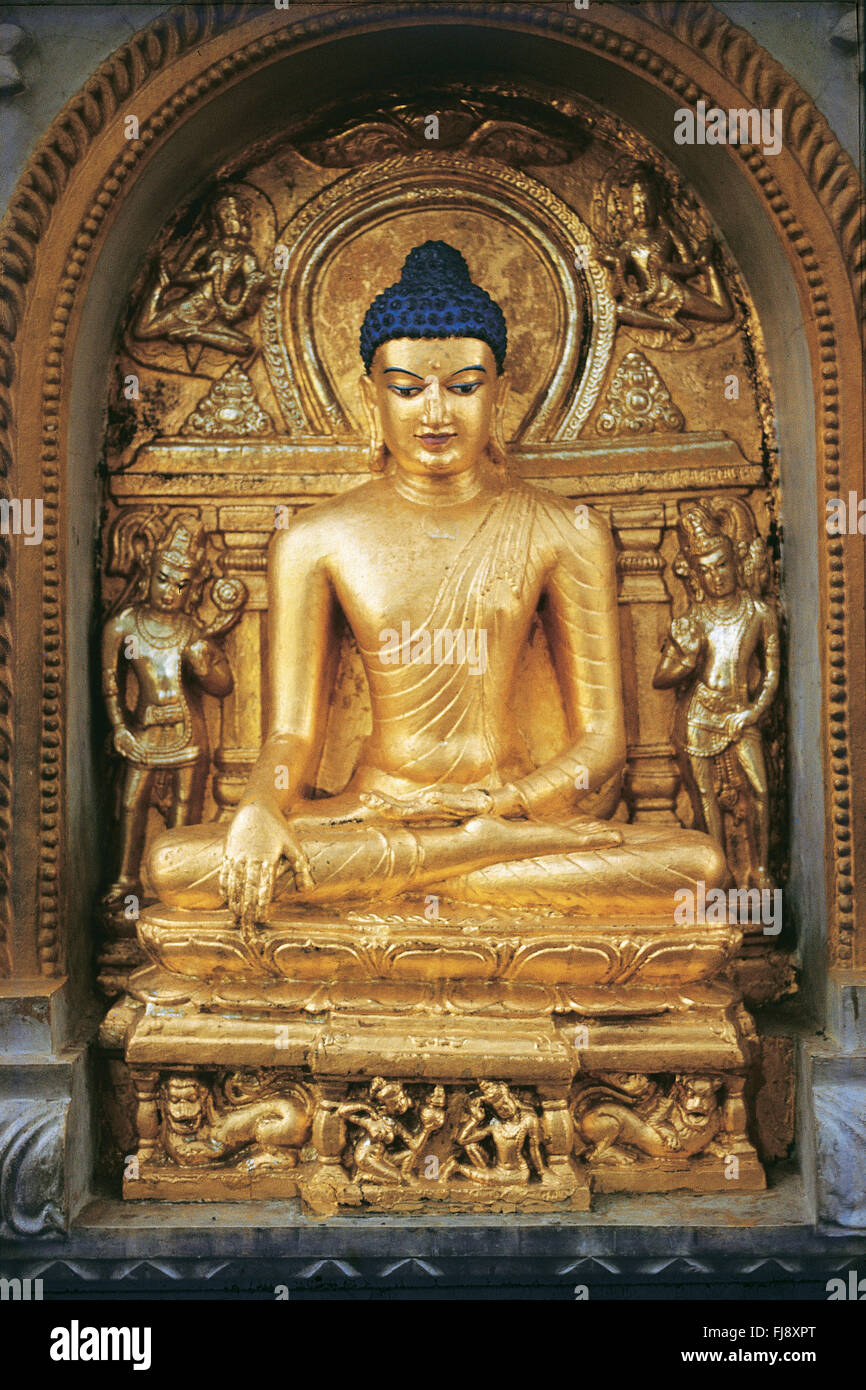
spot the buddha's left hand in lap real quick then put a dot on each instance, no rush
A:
(466, 804)
(434, 804)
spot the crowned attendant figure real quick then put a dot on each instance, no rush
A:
(723, 653)
(173, 659)
(199, 300)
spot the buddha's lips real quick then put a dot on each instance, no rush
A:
(435, 441)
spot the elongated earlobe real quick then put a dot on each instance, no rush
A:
(376, 442)
(498, 447)
(376, 454)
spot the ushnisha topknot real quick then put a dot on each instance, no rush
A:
(435, 297)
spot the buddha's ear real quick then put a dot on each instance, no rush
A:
(498, 446)
(373, 421)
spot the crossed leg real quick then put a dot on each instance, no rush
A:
(588, 868)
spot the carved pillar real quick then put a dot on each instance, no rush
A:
(558, 1127)
(246, 531)
(652, 778)
(329, 1129)
(146, 1083)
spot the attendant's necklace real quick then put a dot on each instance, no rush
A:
(160, 643)
(736, 614)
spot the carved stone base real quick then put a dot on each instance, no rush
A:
(172, 1184)
(329, 1189)
(373, 1110)
(694, 1175)
(324, 1189)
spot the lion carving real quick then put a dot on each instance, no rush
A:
(622, 1116)
(202, 1125)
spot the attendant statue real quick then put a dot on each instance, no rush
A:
(652, 266)
(438, 565)
(199, 297)
(172, 657)
(724, 653)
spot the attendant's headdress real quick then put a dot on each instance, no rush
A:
(184, 544)
(703, 526)
(699, 532)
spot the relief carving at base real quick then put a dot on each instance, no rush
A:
(246, 1114)
(499, 1140)
(627, 1118)
(387, 1148)
(390, 1142)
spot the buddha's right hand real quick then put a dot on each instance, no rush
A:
(257, 840)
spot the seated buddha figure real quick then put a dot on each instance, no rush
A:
(438, 565)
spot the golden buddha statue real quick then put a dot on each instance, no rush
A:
(438, 565)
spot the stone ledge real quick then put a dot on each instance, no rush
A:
(754, 1227)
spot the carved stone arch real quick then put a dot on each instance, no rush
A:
(56, 238)
(580, 298)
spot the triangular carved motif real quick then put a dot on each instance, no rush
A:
(638, 402)
(229, 409)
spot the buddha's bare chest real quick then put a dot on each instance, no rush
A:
(421, 570)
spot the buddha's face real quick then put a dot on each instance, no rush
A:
(434, 400)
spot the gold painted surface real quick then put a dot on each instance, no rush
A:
(406, 947)
(403, 837)
(445, 797)
(672, 47)
(263, 1107)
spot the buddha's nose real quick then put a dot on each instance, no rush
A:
(432, 401)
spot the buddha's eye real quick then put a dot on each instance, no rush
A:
(466, 388)
(407, 392)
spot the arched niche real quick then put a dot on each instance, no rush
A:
(205, 83)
